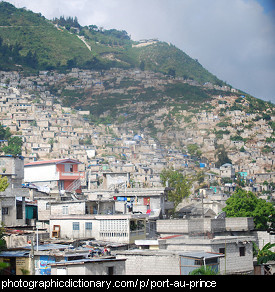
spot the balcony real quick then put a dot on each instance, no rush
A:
(71, 175)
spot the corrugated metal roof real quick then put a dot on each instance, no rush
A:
(201, 255)
(49, 247)
(54, 161)
(11, 254)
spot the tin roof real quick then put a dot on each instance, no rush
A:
(54, 161)
(17, 253)
(201, 255)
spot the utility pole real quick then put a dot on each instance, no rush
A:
(32, 259)
(202, 210)
(225, 255)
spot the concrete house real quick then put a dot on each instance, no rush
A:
(110, 228)
(97, 266)
(166, 262)
(227, 171)
(60, 175)
(12, 200)
(151, 201)
(231, 237)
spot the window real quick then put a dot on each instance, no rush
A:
(75, 225)
(110, 271)
(5, 211)
(242, 251)
(88, 225)
(65, 210)
(19, 210)
(222, 250)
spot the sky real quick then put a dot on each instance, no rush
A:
(232, 39)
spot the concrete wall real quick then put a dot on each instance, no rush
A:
(10, 219)
(91, 268)
(66, 228)
(73, 208)
(232, 263)
(12, 166)
(172, 226)
(41, 173)
(150, 263)
(199, 225)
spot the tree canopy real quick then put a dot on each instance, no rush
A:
(264, 255)
(3, 183)
(14, 146)
(222, 157)
(15, 143)
(179, 185)
(247, 204)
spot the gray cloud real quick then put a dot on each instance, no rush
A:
(235, 40)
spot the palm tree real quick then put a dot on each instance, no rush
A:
(264, 255)
(203, 270)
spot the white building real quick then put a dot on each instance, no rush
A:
(54, 175)
(112, 228)
(227, 170)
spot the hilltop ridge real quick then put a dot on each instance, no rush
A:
(31, 42)
(150, 87)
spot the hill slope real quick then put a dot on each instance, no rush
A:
(31, 41)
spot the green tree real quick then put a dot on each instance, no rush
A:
(142, 65)
(4, 133)
(193, 149)
(264, 255)
(3, 183)
(14, 146)
(203, 270)
(179, 185)
(246, 204)
(200, 175)
(222, 156)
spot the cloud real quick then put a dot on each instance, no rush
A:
(235, 40)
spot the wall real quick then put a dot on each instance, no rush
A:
(73, 208)
(92, 268)
(199, 225)
(107, 229)
(13, 165)
(233, 263)
(41, 173)
(11, 218)
(66, 228)
(150, 263)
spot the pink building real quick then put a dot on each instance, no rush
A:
(58, 174)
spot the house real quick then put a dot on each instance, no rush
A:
(227, 171)
(12, 200)
(115, 180)
(152, 201)
(112, 228)
(51, 259)
(93, 266)
(60, 175)
(231, 237)
(166, 262)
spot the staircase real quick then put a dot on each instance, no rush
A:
(74, 186)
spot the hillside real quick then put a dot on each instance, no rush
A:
(151, 85)
(31, 42)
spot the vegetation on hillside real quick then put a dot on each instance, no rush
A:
(36, 43)
(14, 143)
